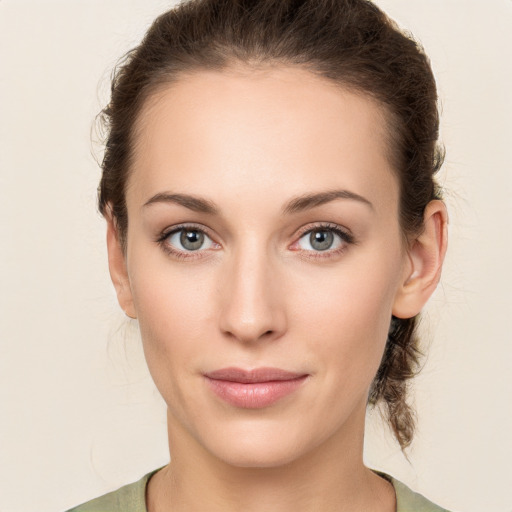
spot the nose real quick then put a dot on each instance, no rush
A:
(252, 302)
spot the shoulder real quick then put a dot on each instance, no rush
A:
(130, 498)
(409, 501)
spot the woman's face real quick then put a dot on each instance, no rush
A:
(264, 257)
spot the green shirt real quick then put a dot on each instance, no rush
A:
(132, 498)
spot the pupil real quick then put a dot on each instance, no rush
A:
(191, 240)
(321, 240)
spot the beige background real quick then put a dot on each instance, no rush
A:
(78, 414)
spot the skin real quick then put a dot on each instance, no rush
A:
(257, 293)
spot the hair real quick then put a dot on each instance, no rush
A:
(351, 43)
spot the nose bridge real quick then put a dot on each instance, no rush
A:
(251, 306)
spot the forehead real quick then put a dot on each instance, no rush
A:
(270, 128)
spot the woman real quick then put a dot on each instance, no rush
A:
(274, 226)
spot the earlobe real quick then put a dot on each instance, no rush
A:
(426, 255)
(117, 268)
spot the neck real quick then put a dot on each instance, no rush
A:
(331, 478)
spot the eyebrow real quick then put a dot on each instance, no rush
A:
(197, 204)
(308, 201)
(295, 205)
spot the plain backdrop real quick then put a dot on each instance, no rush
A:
(78, 413)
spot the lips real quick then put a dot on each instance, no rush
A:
(253, 389)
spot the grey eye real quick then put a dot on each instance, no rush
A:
(321, 240)
(189, 240)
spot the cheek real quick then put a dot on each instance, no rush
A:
(348, 313)
(174, 310)
(171, 313)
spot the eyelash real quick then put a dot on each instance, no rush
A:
(346, 237)
(180, 255)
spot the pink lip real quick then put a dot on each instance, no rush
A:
(253, 389)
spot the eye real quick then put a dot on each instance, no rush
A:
(324, 238)
(187, 239)
(318, 240)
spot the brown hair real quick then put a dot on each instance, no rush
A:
(349, 42)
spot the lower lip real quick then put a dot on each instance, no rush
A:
(254, 395)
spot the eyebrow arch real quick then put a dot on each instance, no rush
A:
(307, 201)
(194, 203)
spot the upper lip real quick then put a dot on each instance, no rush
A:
(263, 374)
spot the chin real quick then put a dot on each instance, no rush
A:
(257, 456)
(267, 445)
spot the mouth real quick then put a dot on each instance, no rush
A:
(254, 389)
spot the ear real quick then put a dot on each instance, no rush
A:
(425, 260)
(117, 267)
